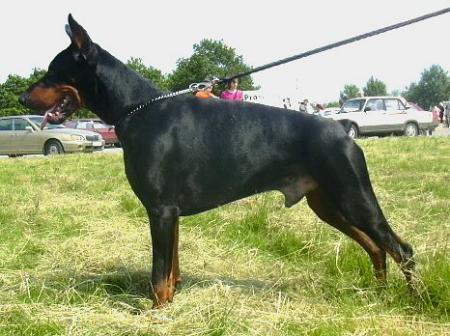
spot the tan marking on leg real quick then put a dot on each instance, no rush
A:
(329, 214)
(160, 294)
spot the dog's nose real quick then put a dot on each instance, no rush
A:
(23, 98)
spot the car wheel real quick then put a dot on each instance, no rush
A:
(411, 130)
(53, 147)
(353, 131)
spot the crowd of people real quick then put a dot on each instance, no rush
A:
(233, 93)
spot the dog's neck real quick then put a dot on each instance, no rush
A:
(117, 92)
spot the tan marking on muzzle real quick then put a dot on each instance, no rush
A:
(46, 97)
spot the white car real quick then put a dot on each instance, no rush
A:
(20, 135)
(384, 115)
(327, 112)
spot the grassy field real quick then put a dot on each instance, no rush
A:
(75, 255)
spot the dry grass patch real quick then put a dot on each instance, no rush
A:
(75, 255)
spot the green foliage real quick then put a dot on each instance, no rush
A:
(149, 72)
(210, 58)
(12, 88)
(350, 91)
(396, 93)
(433, 87)
(333, 104)
(375, 87)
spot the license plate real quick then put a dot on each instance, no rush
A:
(97, 143)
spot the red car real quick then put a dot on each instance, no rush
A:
(107, 131)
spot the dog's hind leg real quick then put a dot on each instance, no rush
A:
(378, 229)
(327, 212)
(163, 225)
(348, 185)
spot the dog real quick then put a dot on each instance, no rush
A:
(185, 155)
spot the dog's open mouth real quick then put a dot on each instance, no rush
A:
(60, 111)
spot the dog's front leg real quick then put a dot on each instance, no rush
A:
(163, 224)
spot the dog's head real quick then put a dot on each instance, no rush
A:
(62, 91)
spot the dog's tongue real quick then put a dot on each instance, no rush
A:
(52, 116)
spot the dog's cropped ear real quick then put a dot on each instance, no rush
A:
(81, 41)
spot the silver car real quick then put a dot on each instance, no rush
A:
(384, 115)
(21, 135)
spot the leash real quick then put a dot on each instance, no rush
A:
(194, 87)
(338, 44)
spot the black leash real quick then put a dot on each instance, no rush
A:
(203, 85)
(336, 44)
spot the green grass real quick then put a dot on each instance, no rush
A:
(75, 255)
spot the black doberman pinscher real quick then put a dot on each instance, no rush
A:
(185, 155)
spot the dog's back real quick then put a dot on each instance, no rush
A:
(215, 151)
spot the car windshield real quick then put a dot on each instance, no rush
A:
(353, 105)
(38, 121)
(91, 125)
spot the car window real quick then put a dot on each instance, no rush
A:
(99, 125)
(393, 104)
(38, 121)
(20, 124)
(84, 124)
(375, 105)
(6, 125)
(353, 105)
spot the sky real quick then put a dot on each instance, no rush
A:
(161, 32)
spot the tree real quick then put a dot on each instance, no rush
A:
(350, 91)
(12, 88)
(149, 72)
(333, 104)
(210, 58)
(396, 93)
(374, 87)
(433, 88)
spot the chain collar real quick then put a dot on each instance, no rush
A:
(194, 87)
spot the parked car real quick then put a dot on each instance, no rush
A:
(96, 125)
(21, 135)
(326, 112)
(384, 115)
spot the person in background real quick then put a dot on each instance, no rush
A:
(440, 109)
(287, 103)
(302, 107)
(206, 93)
(318, 108)
(447, 114)
(232, 92)
(308, 108)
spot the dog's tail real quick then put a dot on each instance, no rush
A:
(346, 124)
